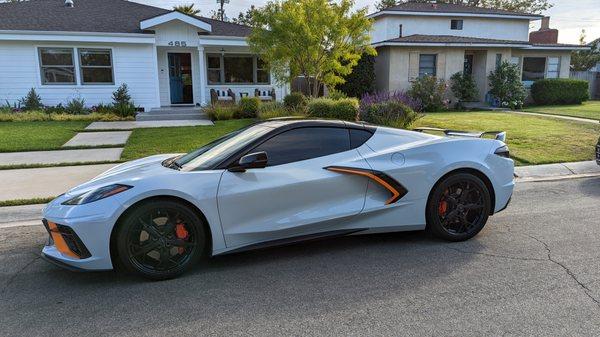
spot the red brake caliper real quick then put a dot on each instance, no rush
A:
(443, 206)
(181, 234)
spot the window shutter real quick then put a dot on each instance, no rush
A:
(413, 66)
(441, 66)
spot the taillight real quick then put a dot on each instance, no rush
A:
(502, 152)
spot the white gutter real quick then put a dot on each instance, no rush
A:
(31, 35)
(467, 45)
(449, 14)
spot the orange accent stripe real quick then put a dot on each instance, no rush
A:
(380, 181)
(59, 241)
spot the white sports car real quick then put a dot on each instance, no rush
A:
(277, 182)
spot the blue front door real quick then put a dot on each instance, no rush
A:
(180, 78)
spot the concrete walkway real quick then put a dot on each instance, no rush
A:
(99, 138)
(552, 171)
(574, 119)
(145, 124)
(45, 182)
(28, 215)
(60, 156)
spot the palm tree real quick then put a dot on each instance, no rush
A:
(187, 9)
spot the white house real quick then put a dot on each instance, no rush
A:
(413, 39)
(88, 48)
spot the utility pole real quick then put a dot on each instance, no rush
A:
(221, 11)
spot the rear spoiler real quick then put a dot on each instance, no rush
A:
(498, 135)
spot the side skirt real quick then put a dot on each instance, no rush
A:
(292, 240)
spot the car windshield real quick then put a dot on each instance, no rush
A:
(218, 150)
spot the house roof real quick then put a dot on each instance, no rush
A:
(442, 8)
(449, 40)
(103, 16)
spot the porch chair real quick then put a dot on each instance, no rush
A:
(222, 96)
(265, 95)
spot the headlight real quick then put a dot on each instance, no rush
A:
(502, 152)
(97, 194)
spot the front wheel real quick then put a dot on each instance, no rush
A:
(160, 239)
(458, 207)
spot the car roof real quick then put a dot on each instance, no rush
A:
(292, 122)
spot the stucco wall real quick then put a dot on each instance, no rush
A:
(132, 64)
(387, 27)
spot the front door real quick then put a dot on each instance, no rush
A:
(180, 78)
(294, 195)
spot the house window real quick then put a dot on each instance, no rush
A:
(427, 64)
(262, 71)
(456, 24)
(534, 68)
(236, 69)
(214, 69)
(96, 66)
(553, 67)
(498, 60)
(57, 66)
(468, 65)
(399, 30)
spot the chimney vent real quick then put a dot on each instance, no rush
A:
(69, 3)
(545, 23)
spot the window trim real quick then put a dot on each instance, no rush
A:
(459, 24)
(222, 81)
(435, 60)
(81, 66)
(42, 66)
(557, 71)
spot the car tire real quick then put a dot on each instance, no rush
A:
(160, 239)
(458, 207)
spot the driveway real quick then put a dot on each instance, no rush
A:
(534, 270)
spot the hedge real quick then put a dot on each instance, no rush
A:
(344, 109)
(559, 91)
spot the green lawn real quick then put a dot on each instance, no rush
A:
(147, 142)
(532, 139)
(32, 136)
(589, 110)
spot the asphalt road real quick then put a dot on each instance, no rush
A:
(534, 270)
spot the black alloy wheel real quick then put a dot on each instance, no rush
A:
(160, 239)
(459, 207)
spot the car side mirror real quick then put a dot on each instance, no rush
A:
(250, 161)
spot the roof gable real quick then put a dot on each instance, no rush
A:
(172, 16)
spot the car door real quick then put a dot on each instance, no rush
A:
(294, 195)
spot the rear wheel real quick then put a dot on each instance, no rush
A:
(458, 207)
(160, 239)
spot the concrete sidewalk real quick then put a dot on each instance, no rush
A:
(145, 124)
(549, 171)
(569, 118)
(60, 156)
(45, 182)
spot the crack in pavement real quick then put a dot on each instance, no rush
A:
(586, 290)
(14, 276)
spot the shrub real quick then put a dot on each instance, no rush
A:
(430, 92)
(361, 80)
(121, 95)
(295, 101)
(506, 85)
(336, 95)
(76, 106)
(268, 110)
(124, 109)
(36, 116)
(560, 91)
(390, 113)
(247, 108)
(32, 101)
(103, 108)
(58, 109)
(344, 109)
(397, 96)
(218, 112)
(463, 87)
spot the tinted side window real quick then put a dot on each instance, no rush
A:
(304, 143)
(358, 137)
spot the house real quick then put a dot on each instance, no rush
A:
(416, 39)
(87, 48)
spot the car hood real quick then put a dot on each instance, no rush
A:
(127, 173)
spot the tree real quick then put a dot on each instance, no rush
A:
(245, 18)
(383, 4)
(584, 60)
(362, 78)
(317, 39)
(525, 6)
(506, 85)
(187, 9)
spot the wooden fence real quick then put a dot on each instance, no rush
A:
(593, 78)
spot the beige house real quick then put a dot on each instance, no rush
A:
(417, 39)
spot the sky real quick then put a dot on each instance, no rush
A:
(569, 16)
